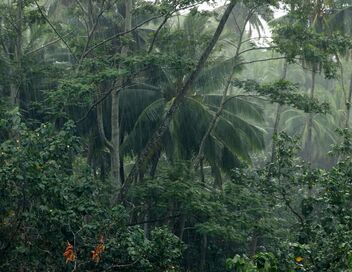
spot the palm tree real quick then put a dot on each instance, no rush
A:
(236, 134)
(323, 126)
(341, 20)
(315, 54)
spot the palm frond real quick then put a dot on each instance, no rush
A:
(143, 128)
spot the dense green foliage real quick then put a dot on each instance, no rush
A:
(175, 135)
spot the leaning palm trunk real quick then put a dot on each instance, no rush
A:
(115, 101)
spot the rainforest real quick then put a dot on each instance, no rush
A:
(176, 135)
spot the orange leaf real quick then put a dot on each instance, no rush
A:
(99, 249)
(69, 253)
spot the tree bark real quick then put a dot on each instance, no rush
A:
(154, 142)
(182, 226)
(308, 144)
(91, 145)
(201, 170)
(101, 130)
(154, 165)
(203, 252)
(146, 223)
(217, 177)
(115, 101)
(15, 71)
(115, 139)
(253, 245)
(122, 170)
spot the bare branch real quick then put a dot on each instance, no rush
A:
(55, 30)
(260, 60)
(157, 32)
(46, 45)
(257, 48)
(288, 204)
(120, 34)
(90, 36)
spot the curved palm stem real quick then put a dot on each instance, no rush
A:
(215, 119)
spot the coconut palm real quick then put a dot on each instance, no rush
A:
(323, 125)
(237, 133)
(340, 20)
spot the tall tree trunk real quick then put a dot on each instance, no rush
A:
(253, 243)
(217, 177)
(348, 104)
(201, 170)
(100, 126)
(115, 140)
(91, 145)
(277, 118)
(16, 69)
(122, 171)
(154, 142)
(203, 252)
(146, 227)
(182, 226)
(115, 101)
(308, 144)
(154, 163)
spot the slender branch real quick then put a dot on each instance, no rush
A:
(257, 96)
(213, 122)
(154, 220)
(121, 265)
(234, 18)
(131, 30)
(55, 30)
(255, 38)
(99, 101)
(259, 60)
(157, 32)
(81, 7)
(46, 45)
(257, 48)
(120, 34)
(85, 13)
(90, 36)
(287, 203)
